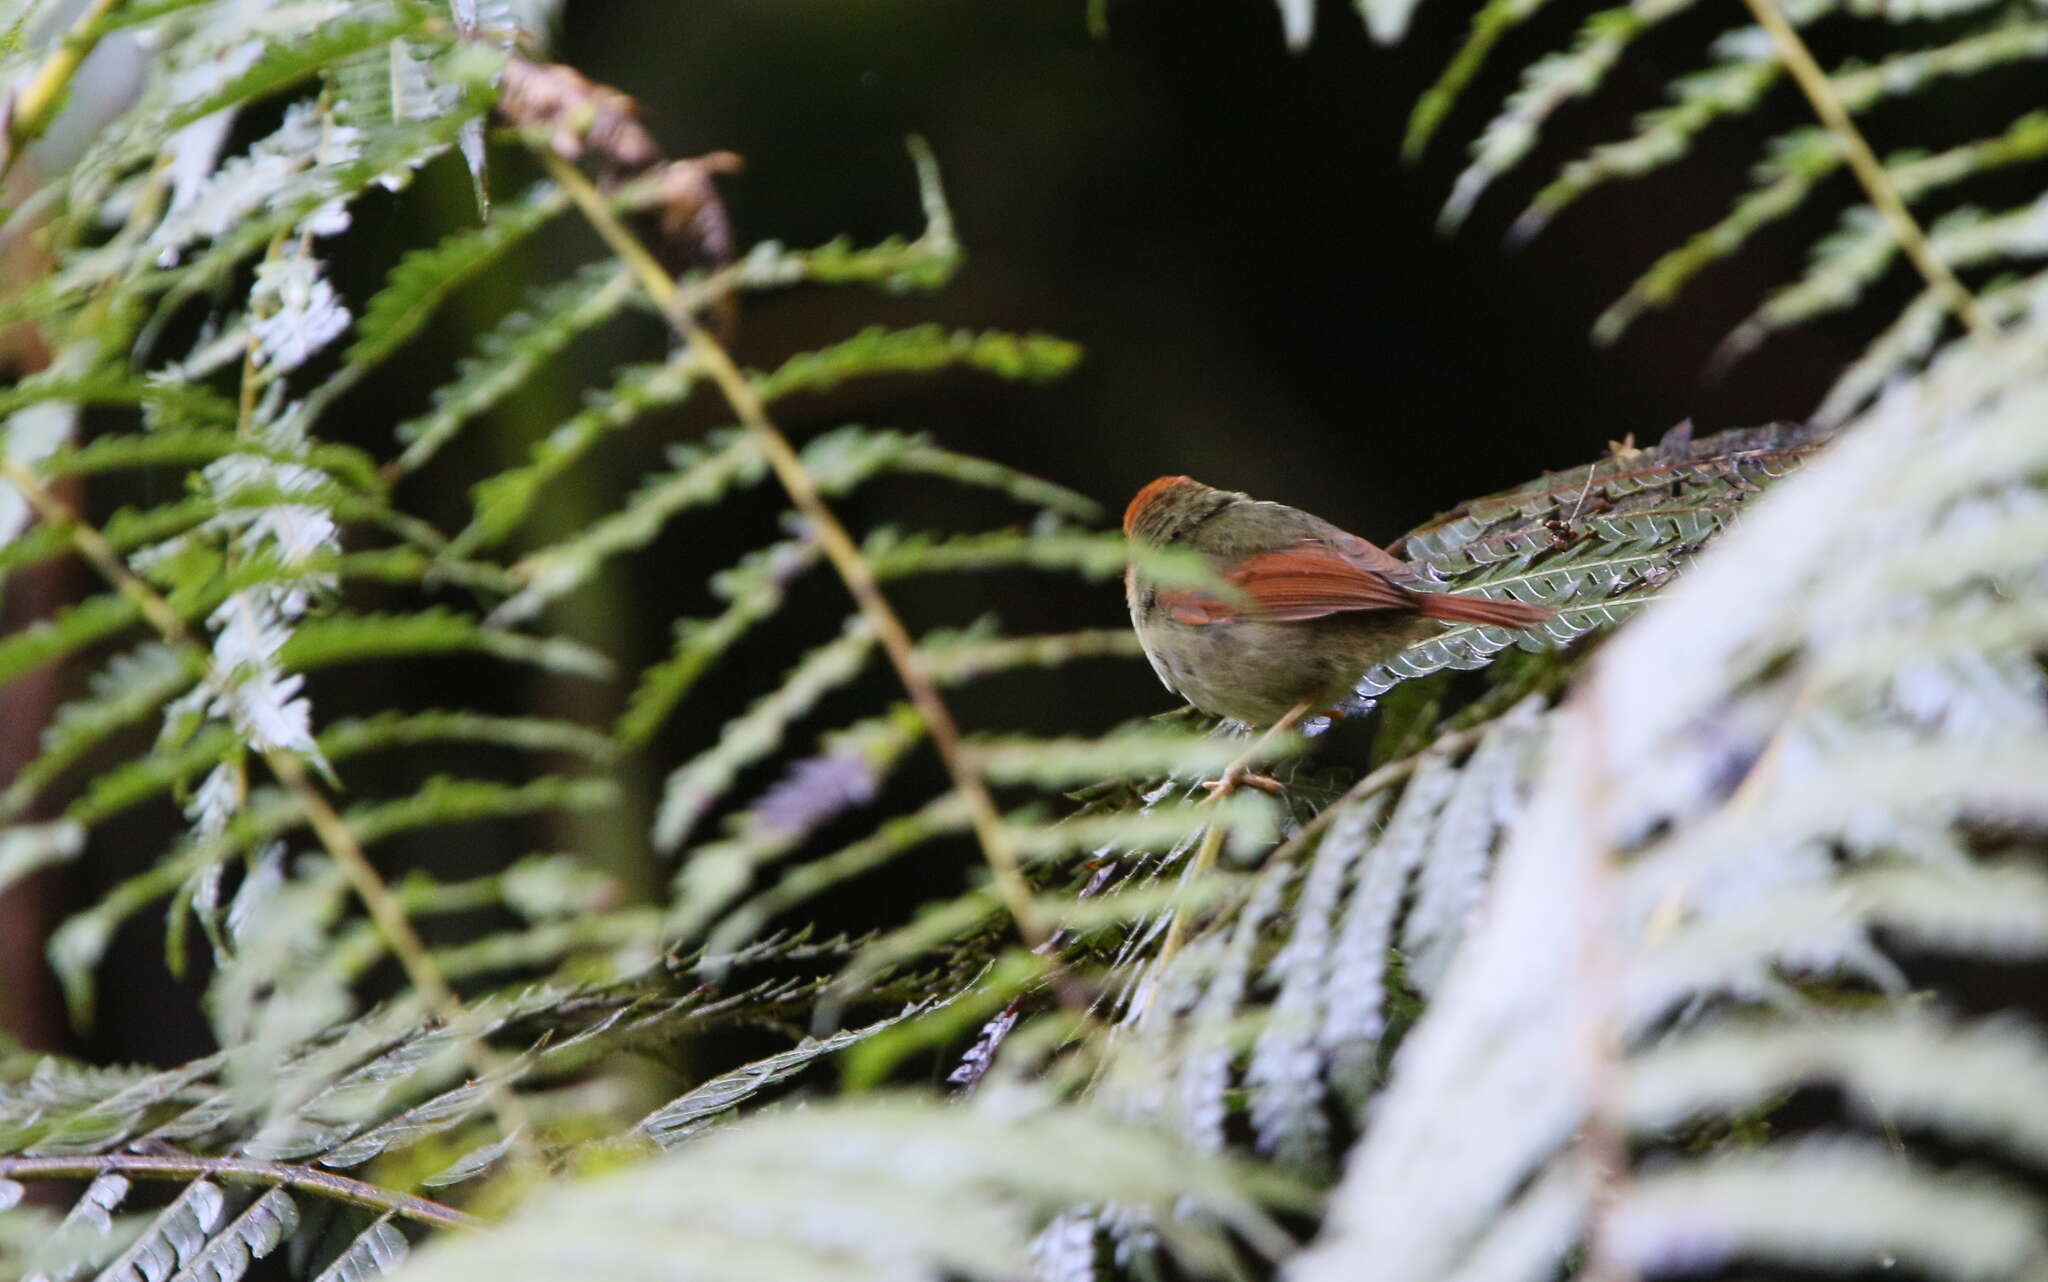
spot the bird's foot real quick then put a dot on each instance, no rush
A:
(1237, 777)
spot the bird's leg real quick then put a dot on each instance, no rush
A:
(1239, 772)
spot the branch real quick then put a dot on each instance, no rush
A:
(1905, 229)
(237, 1170)
(838, 545)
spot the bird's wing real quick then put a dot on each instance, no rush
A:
(1369, 556)
(1306, 581)
(1311, 579)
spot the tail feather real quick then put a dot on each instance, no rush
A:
(1481, 610)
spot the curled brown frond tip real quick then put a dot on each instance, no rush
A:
(576, 113)
(691, 212)
(572, 115)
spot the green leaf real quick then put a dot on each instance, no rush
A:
(424, 278)
(174, 400)
(70, 628)
(926, 348)
(507, 355)
(353, 638)
(756, 587)
(695, 786)
(285, 63)
(503, 501)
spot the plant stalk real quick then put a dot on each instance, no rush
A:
(838, 545)
(237, 1170)
(1869, 170)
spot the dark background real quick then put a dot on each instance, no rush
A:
(1224, 225)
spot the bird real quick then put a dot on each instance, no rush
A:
(1315, 605)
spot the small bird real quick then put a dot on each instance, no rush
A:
(1317, 608)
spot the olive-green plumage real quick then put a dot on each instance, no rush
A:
(1317, 605)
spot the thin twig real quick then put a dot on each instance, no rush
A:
(238, 1170)
(1869, 170)
(839, 547)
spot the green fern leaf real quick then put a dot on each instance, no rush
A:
(353, 638)
(71, 628)
(444, 800)
(756, 588)
(288, 62)
(920, 350)
(174, 401)
(694, 787)
(424, 278)
(128, 689)
(508, 355)
(503, 501)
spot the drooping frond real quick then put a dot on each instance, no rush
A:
(1917, 207)
(1847, 762)
(957, 1191)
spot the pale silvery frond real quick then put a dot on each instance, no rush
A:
(1747, 879)
(294, 311)
(883, 1189)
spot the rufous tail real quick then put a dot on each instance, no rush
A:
(1483, 610)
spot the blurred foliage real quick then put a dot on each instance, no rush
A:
(1527, 993)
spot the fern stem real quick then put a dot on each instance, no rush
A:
(1869, 170)
(327, 824)
(239, 1170)
(839, 547)
(35, 106)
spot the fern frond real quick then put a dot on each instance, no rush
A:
(1145, 753)
(173, 401)
(373, 1253)
(1853, 258)
(1853, 798)
(353, 638)
(755, 587)
(445, 800)
(947, 1190)
(69, 629)
(508, 354)
(921, 350)
(1797, 164)
(1547, 85)
(261, 1228)
(692, 789)
(1733, 86)
(814, 877)
(701, 476)
(27, 847)
(423, 279)
(191, 446)
(1093, 555)
(503, 500)
(692, 1112)
(300, 56)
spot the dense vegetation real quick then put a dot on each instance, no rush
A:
(1668, 940)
